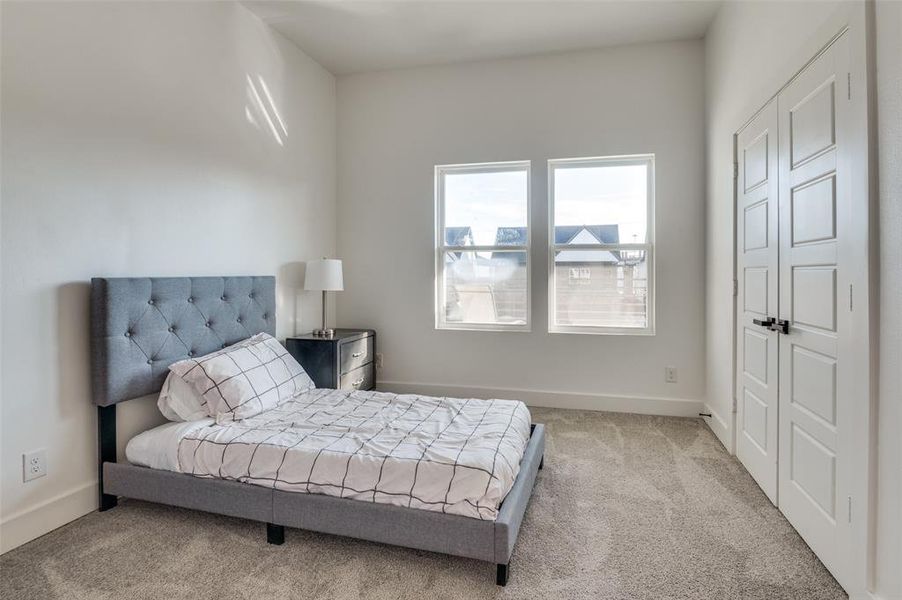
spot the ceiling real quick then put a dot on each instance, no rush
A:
(351, 36)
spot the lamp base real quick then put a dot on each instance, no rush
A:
(324, 333)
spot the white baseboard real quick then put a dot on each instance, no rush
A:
(871, 596)
(720, 427)
(673, 407)
(35, 521)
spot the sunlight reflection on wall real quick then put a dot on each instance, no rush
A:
(264, 106)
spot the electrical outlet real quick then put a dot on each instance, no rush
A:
(670, 374)
(378, 360)
(34, 464)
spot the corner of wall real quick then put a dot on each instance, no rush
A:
(721, 426)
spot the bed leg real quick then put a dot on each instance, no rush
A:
(275, 534)
(107, 501)
(106, 441)
(502, 575)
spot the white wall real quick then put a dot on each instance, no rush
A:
(751, 50)
(889, 411)
(394, 126)
(127, 151)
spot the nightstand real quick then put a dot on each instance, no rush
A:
(345, 361)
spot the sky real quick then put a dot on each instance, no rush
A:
(583, 196)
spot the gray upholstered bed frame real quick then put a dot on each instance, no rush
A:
(139, 326)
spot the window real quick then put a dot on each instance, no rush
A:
(580, 275)
(482, 246)
(601, 268)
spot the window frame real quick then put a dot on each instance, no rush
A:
(622, 160)
(440, 247)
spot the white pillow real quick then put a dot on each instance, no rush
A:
(179, 402)
(245, 379)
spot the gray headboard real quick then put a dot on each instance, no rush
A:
(141, 325)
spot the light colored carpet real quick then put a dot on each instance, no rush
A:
(627, 507)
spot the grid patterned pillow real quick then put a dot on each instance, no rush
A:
(245, 379)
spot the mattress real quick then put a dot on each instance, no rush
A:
(456, 456)
(158, 448)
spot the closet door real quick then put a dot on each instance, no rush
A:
(815, 208)
(757, 248)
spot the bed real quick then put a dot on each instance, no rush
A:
(141, 326)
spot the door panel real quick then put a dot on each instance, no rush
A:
(754, 162)
(813, 296)
(813, 471)
(757, 263)
(754, 418)
(756, 289)
(755, 357)
(813, 209)
(814, 383)
(756, 226)
(812, 123)
(814, 212)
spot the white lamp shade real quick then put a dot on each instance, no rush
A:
(324, 275)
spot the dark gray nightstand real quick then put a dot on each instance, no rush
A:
(345, 361)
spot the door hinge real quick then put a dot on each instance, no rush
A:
(850, 509)
(735, 170)
(850, 297)
(735, 287)
(849, 84)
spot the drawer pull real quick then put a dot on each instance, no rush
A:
(357, 355)
(358, 382)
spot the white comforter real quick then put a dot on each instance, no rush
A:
(443, 454)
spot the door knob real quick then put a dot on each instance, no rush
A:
(781, 325)
(768, 322)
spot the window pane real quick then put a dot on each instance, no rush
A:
(601, 204)
(485, 287)
(601, 288)
(485, 209)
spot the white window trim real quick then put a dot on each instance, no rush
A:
(441, 247)
(648, 247)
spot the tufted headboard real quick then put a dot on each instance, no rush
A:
(140, 326)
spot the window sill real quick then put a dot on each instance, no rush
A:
(490, 328)
(586, 330)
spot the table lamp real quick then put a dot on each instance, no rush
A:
(324, 276)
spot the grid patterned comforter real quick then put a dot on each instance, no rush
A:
(458, 456)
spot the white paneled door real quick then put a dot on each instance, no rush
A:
(815, 302)
(795, 388)
(757, 268)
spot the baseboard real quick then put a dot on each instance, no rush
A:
(35, 521)
(871, 596)
(674, 407)
(720, 427)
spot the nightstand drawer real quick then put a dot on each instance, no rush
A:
(330, 361)
(355, 354)
(359, 379)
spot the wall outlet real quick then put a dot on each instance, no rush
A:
(34, 464)
(670, 374)
(378, 360)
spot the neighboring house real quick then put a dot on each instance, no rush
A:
(604, 234)
(607, 287)
(458, 236)
(598, 287)
(479, 285)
